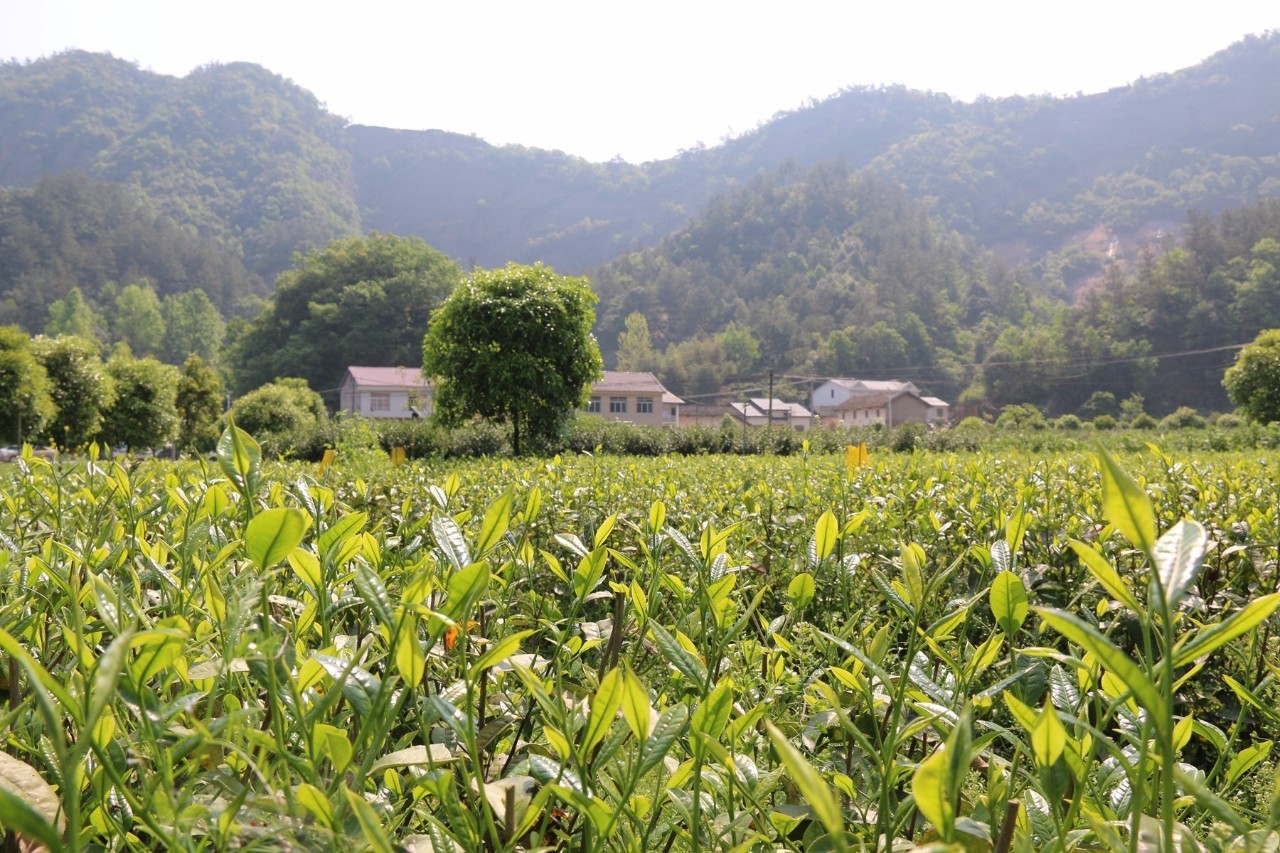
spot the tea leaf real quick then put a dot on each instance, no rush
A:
(1219, 634)
(801, 590)
(411, 657)
(688, 665)
(1048, 737)
(500, 651)
(452, 543)
(1106, 575)
(28, 804)
(370, 825)
(422, 755)
(666, 731)
(272, 534)
(604, 708)
(809, 781)
(826, 534)
(1121, 665)
(713, 712)
(496, 519)
(359, 686)
(1126, 505)
(930, 788)
(635, 703)
(466, 588)
(307, 568)
(241, 459)
(1009, 603)
(314, 801)
(1178, 555)
(1245, 760)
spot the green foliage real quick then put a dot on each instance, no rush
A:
(1184, 417)
(1067, 422)
(143, 411)
(82, 390)
(26, 401)
(1021, 417)
(279, 407)
(1104, 422)
(69, 232)
(198, 405)
(357, 301)
(1253, 381)
(514, 346)
(192, 326)
(635, 348)
(72, 316)
(138, 322)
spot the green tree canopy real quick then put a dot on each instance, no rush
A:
(25, 401)
(278, 407)
(1253, 382)
(635, 347)
(142, 413)
(514, 345)
(82, 390)
(138, 321)
(360, 300)
(72, 315)
(192, 326)
(199, 406)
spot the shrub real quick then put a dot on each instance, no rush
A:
(972, 423)
(1144, 421)
(1105, 422)
(1068, 422)
(1184, 417)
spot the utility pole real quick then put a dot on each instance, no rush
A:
(770, 399)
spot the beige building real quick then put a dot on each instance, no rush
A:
(637, 398)
(890, 408)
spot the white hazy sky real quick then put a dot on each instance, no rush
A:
(640, 80)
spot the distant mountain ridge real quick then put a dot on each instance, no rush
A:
(255, 161)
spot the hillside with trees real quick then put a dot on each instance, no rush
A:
(881, 230)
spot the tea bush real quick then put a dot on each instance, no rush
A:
(793, 650)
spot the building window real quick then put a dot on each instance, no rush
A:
(644, 405)
(593, 405)
(618, 405)
(380, 401)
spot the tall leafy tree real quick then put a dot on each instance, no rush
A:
(635, 347)
(25, 401)
(192, 326)
(138, 321)
(514, 345)
(143, 411)
(199, 406)
(73, 316)
(362, 300)
(81, 388)
(1253, 382)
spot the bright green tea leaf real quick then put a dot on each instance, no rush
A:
(1009, 603)
(801, 590)
(1125, 504)
(272, 534)
(1178, 555)
(826, 534)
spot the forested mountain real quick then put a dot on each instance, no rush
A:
(881, 229)
(72, 232)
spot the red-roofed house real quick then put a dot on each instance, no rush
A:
(385, 392)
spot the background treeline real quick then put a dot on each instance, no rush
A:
(1022, 250)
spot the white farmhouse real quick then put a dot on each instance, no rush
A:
(385, 392)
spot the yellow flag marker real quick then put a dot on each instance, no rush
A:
(327, 461)
(855, 457)
(397, 456)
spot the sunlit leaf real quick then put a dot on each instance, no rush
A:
(272, 534)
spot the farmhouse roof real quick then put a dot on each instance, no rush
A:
(626, 380)
(388, 377)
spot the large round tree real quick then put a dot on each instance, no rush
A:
(1253, 382)
(359, 300)
(514, 345)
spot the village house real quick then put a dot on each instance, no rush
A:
(760, 411)
(385, 392)
(859, 402)
(634, 397)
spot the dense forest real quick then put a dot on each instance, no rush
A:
(1009, 250)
